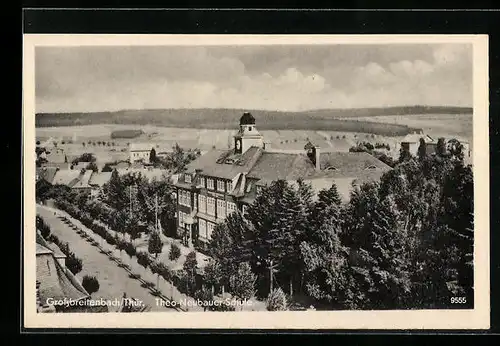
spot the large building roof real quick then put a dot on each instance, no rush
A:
(225, 163)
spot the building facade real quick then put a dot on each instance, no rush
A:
(140, 152)
(221, 182)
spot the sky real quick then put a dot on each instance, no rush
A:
(283, 78)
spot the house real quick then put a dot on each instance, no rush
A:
(149, 173)
(224, 181)
(55, 282)
(140, 151)
(97, 181)
(46, 173)
(411, 143)
(82, 184)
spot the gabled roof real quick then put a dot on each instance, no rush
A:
(350, 164)
(415, 138)
(55, 281)
(276, 166)
(99, 179)
(68, 177)
(83, 180)
(142, 146)
(47, 173)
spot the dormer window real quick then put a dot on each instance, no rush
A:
(229, 161)
(331, 168)
(371, 167)
(188, 178)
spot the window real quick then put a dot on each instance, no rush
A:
(259, 189)
(221, 209)
(185, 198)
(203, 228)
(231, 207)
(229, 186)
(211, 206)
(210, 183)
(181, 219)
(244, 209)
(210, 229)
(202, 203)
(201, 181)
(220, 185)
(188, 178)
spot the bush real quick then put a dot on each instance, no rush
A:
(130, 249)
(175, 252)
(90, 283)
(277, 301)
(143, 259)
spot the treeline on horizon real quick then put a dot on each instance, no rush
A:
(324, 119)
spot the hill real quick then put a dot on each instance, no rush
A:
(322, 119)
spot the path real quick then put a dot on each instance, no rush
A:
(113, 280)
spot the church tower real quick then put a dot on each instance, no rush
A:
(247, 136)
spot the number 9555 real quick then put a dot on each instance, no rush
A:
(458, 300)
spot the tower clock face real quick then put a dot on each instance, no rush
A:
(238, 144)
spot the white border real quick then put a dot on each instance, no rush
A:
(478, 318)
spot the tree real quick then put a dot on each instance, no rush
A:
(90, 283)
(189, 267)
(143, 259)
(422, 151)
(93, 167)
(404, 155)
(114, 191)
(212, 274)
(276, 301)
(379, 259)
(73, 263)
(175, 252)
(243, 282)
(155, 244)
(152, 156)
(455, 148)
(107, 168)
(441, 147)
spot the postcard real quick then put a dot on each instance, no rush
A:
(256, 182)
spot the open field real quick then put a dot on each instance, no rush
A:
(319, 120)
(75, 140)
(457, 125)
(204, 139)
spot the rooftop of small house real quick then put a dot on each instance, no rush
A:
(55, 281)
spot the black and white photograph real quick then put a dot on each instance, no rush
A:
(228, 177)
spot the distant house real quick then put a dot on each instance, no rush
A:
(82, 184)
(97, 181)
(148, 172)
(46, 173)
(411, 142)
(140, 151)
(80, 165)
(74, 179)
(54, 281)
